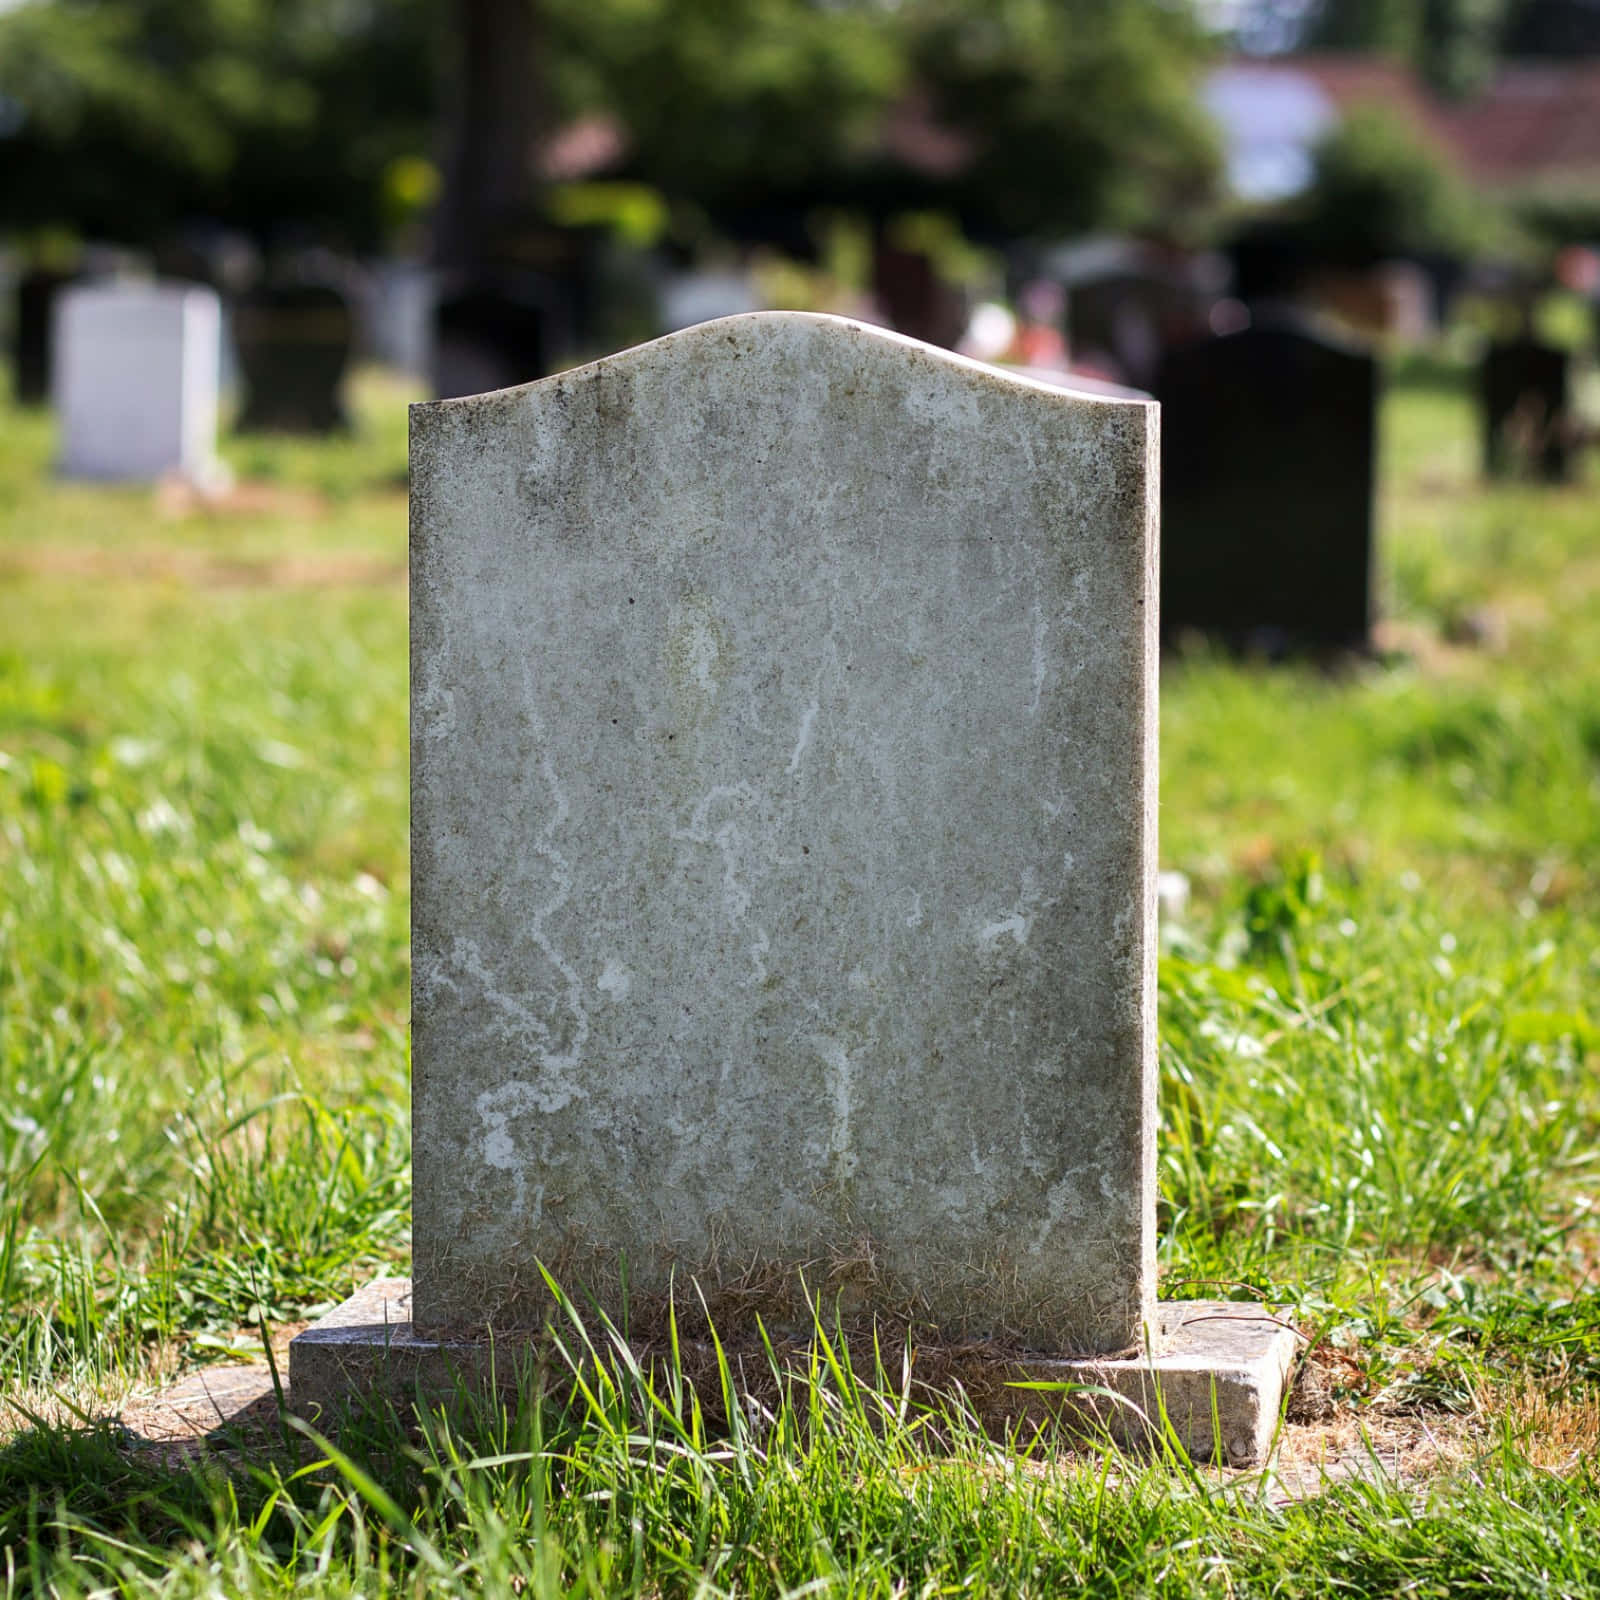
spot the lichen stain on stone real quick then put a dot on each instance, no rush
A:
(842, 1158)
(699, 654)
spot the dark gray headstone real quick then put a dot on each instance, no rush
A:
(489, 335)
(1524, 412)
(294, 344)
(35, 309)
(1267, 483)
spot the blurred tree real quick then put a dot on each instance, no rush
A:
(747, 109)
(1080, 115)
(497, 108)
(1461, 43)
(123, 117)
(1377, 27)
(1015, 115)
(1455, 44)
(1381, 191)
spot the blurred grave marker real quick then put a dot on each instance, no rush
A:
(135, 380)
(1524, 410)
(688, 298)
(293, 342)
(1268, 456)
(490, 335)
(516, 314)
(398, 311)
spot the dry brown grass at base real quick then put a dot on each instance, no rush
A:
(1352, 1447)
(84, 1401)
(1556, 1426)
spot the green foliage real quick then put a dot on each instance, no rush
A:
(284, 115)
(730, 100)
(1561, 212)
(603, 1478)
(1461, 43)
(1080, 116)
(1455, 44)
(1379, 190)
(1379, 27)
(1076, 116)
(131, 115)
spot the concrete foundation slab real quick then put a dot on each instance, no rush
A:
(1221, 1374)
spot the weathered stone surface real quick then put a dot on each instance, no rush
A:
(1214, 1387)
(783, 731)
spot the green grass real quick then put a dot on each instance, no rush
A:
(1380, 1095)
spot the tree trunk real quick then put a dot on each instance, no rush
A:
(494, 121)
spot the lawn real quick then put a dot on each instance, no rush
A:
(1379, 1076)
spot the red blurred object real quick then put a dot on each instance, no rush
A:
(1578, 269)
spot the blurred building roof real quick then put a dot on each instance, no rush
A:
(1275, 109)
(1535, 120)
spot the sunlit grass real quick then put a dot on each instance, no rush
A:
(1379, 1052)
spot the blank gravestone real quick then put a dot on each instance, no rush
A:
(32, 331)
(491, 334)
(294, 343)
(783, 853)
(1267, 469)
(1525, 412)
(135, 381)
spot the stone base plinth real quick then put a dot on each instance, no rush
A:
(1220, 1374)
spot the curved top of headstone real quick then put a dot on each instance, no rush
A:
(799, 336)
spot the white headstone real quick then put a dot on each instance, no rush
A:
(399, 304)
(690, 298)
(135, 371)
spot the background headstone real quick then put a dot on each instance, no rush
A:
(32, 332)
(1525, 412)
(783, 721)
(688, 298)
(912, 294)
(1268, 455)
(135, 380)
(491, 335)
(520, 309)
(293, 343)
(398, 310)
